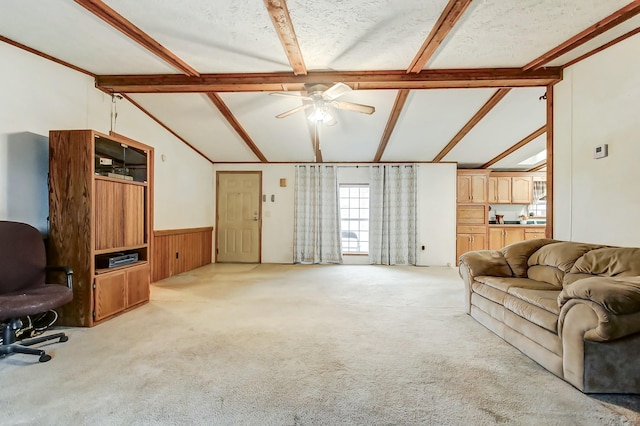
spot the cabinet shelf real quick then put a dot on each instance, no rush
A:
(118, 249)
(101, 271)
(118, 180)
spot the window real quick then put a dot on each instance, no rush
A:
(539, 206)
(354, 218)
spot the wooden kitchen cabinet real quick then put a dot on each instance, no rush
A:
(533, 233)
(469, 242)
(500, 190)
(522, 190)
(472, 187)
(500, 237)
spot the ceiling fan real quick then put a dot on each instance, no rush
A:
(321, 98)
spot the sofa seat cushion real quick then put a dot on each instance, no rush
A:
(504, 284)
(531, 312)
(488, 292)
(544, 299)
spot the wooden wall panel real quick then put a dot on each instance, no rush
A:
(180, 250)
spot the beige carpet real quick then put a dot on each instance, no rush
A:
(296, 345)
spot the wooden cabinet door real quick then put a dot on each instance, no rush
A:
(513, 235)
(137, 285)
(533, 233)
(109, 207)
(496, 238)
(493, 189)
(134, 214)
(522, 190)
(471, 215)
(463, 245)
(478, 242)
(109, 294)
(503, 185)
(478, 189)
(464, 189)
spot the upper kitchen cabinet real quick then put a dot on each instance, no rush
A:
(522, 190)
(472, 186)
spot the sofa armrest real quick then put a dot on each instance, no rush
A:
(481, 263)
(485, 262)
(600, 325)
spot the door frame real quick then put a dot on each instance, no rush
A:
(217, 228)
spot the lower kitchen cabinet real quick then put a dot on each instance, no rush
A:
(469, 242)
(501, 237)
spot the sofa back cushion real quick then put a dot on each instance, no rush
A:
(609, 262)
(551, 262)
(517, 254)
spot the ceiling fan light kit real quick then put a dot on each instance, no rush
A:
(321, 98)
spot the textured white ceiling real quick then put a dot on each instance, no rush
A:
(211, 36)
(511, 162)
(621, 29)
(430, 119)
(356, 136)
(362, 34)
(519, 114)
(67, 31)
(196, 119)
(499, 33)
(286, 139)
(239, 37)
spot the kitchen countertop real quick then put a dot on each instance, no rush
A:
(502, 225)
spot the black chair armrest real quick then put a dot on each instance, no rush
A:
(67, 270)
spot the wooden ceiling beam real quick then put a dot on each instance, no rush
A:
(120, 23)
(603, 47)
(363, 80)
(600, 27)
(396, 110)
(542, 130)
(448, 19)
(281, 19)
(537, 168)
(228, 115)
(482, 112)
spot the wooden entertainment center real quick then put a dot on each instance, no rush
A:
(101, 215)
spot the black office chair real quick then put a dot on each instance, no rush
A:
(23, 291)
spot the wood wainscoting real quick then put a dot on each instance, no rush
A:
(180, 250)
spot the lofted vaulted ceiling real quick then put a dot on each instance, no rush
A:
(451, 80)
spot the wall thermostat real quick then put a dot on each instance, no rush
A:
(601, 151)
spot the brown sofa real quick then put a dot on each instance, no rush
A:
(573, 308)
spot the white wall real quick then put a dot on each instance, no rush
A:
(38, 96)
(436, 204)
(598, 102)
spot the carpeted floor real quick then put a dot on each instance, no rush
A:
(297, 345)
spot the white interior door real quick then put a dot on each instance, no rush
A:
(238, 205)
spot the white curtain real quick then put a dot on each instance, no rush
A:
(393, 215)
(317, 216)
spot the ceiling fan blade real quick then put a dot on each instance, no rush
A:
(290, 95)
(293, 111)
(335, 91)
(350, 106)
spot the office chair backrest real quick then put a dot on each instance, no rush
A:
(22, 257)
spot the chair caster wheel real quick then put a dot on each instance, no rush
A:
(44, 358)
(63, 339)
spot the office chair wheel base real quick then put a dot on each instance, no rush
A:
(44, 358)
(63, 338)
